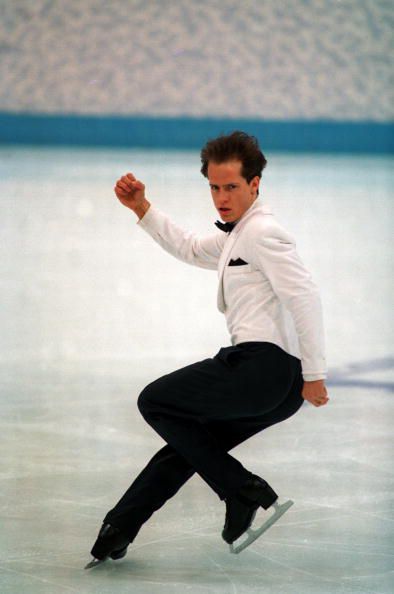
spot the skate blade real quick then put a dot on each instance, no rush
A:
(94, 563)
(280, 509)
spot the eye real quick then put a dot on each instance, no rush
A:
(214, 188)
(231, 187)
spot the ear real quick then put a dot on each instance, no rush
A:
(254, 184)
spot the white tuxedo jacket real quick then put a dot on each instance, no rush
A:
(265, 291)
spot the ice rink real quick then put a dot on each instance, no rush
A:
(92, 310)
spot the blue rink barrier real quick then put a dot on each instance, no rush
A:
(192, 133)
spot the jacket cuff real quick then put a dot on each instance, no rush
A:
(148, 217)
(312, 377)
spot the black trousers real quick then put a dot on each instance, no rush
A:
(202, 411)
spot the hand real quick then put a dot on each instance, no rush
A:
(131, 193)
(315, 392)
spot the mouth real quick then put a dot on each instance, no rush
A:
(224, 210)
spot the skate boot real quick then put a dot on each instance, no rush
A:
(241, 510)
(110, 543)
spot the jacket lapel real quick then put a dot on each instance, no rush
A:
(228, 246)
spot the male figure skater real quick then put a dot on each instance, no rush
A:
(275, 361)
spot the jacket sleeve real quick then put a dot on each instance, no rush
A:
(188, 247)
(275, 255)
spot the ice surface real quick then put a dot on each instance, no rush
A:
(92, 310)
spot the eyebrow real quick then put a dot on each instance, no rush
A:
(223, 185)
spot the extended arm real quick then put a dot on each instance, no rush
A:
(186, 246)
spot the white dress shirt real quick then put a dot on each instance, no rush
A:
(269, 296)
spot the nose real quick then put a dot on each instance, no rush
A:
(223, 197)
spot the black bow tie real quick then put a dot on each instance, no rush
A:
(226, 227)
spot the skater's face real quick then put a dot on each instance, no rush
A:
(231, 193)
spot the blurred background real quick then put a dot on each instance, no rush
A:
(92, 310)
(305, 74)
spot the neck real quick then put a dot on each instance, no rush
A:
(248, 209)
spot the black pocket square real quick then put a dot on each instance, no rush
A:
(237, 262)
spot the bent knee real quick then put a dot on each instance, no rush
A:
(147, 397)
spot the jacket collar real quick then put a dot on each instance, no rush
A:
(254, 207)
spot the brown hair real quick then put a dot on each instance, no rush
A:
(235, 146)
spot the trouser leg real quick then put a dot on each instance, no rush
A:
(180, 405)
(167, 471)
(162, 477)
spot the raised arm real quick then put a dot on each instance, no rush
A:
(188, 247)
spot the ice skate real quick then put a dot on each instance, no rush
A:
(94, 563)
(241, 507)
(110, 543)
(114, 555)
(252, 534)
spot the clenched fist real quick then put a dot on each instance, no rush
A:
(131, 193)
(315, 392)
